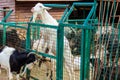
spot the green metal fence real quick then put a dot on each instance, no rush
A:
(106, 42)
(85, 29)
(86, 48)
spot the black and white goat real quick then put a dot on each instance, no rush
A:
(12, 60)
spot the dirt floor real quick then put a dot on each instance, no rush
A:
(39, 73)
(3, 76)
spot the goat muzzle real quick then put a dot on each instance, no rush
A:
(32, 10)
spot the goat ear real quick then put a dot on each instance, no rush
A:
(47, 8)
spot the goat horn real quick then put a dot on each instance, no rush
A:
(30, 53)
(38, 56)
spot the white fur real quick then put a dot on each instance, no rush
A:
(103, 31)
(77, 62)
(4, 59)
(49, 37)
(100, 53)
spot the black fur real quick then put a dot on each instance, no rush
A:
(17, 60)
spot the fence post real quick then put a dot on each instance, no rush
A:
(59, 56)
(28, 43)
(82, 55)
(7, 16)
(4, 34)
(87, 54)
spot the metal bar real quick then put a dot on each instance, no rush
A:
(114, 13)
(13, 25)
(78, 26)
(28, 40)
(60, 48)
(28, 74)
(104, 12)
(42, 25)
(115, 9)
(57, 5)
(103, 17)
(83, 4)
(108, 7)
(82, 55)
(43, 54)
(117, 53)
(93, 53)
(28, 43)
(38, 33)
(90, 14)
(4, 34)
(7, 15)
(82, 20)
(64, 14)
(69, 12)
(110, 13)
(87, 54)
(103, 7)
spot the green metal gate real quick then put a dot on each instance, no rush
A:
(93, 41)
(105, 44)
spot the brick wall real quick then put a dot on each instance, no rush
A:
(23, 12)
(7, 4)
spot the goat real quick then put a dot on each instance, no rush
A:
(49, 36)
(111, 42)
(13, 60)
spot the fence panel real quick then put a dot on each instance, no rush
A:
(106, 42)
(79, 32)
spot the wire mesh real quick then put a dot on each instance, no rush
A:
(13, 38)
(39, 43)
(106, 45)
(44, 42)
